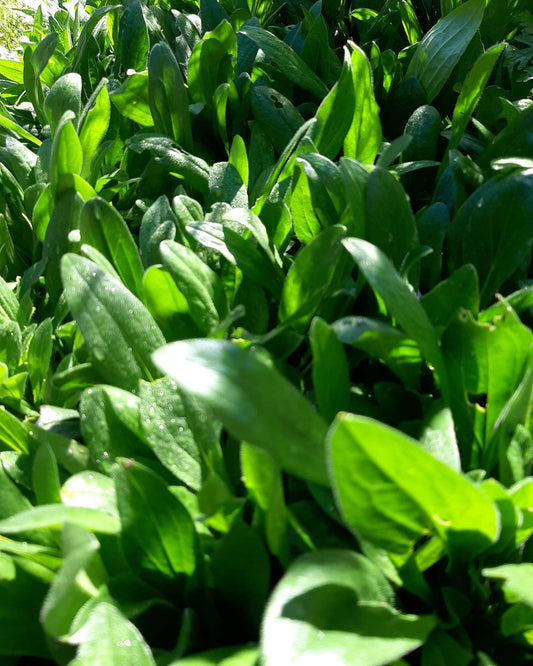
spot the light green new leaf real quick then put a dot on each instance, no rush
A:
(119, 331)
(107, 637)
(471, 92)
(442, 47)
(54, 516)
(336, 113)
(253, 401)
(391, 492)
(517, 580)
(364, 136)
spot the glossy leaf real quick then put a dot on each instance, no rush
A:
(364, 136)
(392, 493)
(252, 400)
(108, 636)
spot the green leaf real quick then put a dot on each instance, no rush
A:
(66, 594)
(382, 341)
(331, 378)
(275, 114)
(34, 63)
(132, 99)
(332, 604)
(102, 226)
(39, 356)
(46, 484)
(252, 400)
(14, 435)
(168, 305)
(132, 42)
(91, 490)
(493, 231)
(442, 47)
(158, 534)
(286, 59)
(335, 114)
(67, 154)
(392, 227)
(21, 597)
(54, 516)
(64, 95)
(310, 278)
(392, 493)
(93, 126)
(167, 96)
(201, 286)
(471, 92)
(486, 363)
(164, 425)
(364, 136)
(110, 425)
(119, 331)
(402, 304)
(158, 224)
(108, 637)
(517, 581)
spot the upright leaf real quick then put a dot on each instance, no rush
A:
(441, 48)
(364, 136)
(119, 331)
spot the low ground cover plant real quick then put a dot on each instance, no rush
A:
(266, 375)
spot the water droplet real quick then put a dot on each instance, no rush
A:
(130, 311)
(172, 420)
(151, 410)
(147, 421)
(180, 429)
(161, 426)
(105, 455)
(127, 642)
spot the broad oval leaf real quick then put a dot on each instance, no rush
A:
(391, 492)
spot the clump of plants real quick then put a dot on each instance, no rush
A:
(266, 347)
(12, 25)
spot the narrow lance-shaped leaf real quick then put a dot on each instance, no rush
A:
(252, 400)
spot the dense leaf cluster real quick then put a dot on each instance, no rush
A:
(266, 346)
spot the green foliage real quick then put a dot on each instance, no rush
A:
(266, 347)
